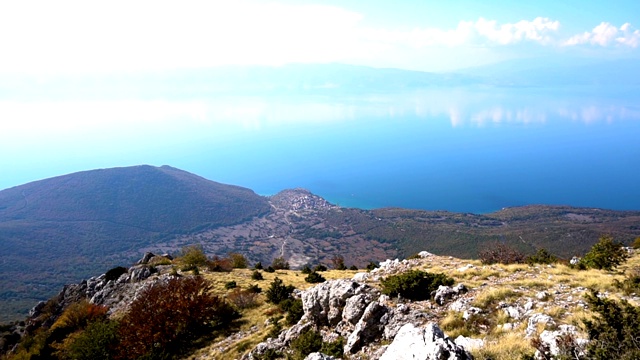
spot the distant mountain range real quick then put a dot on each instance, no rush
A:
(63, 229)
(320, 79)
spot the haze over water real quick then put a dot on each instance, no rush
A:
(474, 150)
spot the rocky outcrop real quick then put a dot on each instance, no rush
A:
(351, 310)
(424, 343)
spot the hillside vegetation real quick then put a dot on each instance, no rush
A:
(500, 311)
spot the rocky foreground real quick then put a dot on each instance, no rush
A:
(492, 311)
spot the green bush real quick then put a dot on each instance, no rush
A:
(257, 275)
(334, 348)
(314, 278)
(270, 269)
(238, 261)
(353, 267)
(613, 332)
(631, 282)
(278, 292)
(541, 257)
(308, 342)
(192, 256)
(279, 264)
(293, 308)
(414, 284)
(372, 265)
(319, 268)
(97, 342)
(254, 288)
(258, 266)
(114, 274)
(306, 270)
(606, 254)
(230, 285)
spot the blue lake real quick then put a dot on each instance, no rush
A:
(461, 151)
(439, 149)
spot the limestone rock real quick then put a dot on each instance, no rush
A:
(446, 293)
(319, 356)
(368, 327)
(427, 343)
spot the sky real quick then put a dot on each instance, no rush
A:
(52, 134)
(39, 37)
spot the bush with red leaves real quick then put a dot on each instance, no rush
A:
(169, 315)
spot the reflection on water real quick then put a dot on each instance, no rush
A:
(458, 150)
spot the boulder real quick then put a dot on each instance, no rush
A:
(446, 293)
(323, 304)
(536, 319)
(319, 356)
(427, 343)
(368, 328)
(563, 341)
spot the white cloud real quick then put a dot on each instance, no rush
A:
(607, 34)
(482, 31)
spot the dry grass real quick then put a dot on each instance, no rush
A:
(508, 347)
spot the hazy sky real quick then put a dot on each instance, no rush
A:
(88, 36)
(52, 134)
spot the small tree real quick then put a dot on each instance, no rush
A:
(258, 266)
(337, 261)
(280, 264)
(541, 257)
(372, 265)
(278, 291)
(238, 261)
(192, 256)
(257, 275)
(606, 254)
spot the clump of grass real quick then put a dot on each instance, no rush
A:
(508, 347)
(492, 297)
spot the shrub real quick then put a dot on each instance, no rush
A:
(414, 284)
(279, 264)
(230, 285)
(192, 256)
(306, 270)
(294, 310)
(254, 288)
(314, 278)
(631, 283)
(218, 264)
(276, 327)
(500, 253)
(257, 275)
(319, 268)
(114, 274)
(334, 348)
(541, 257)
(243, 299)
(337, 261)
(170, 314)
(258, 266)
(353, 267)
(270, 269)
(278, 292)
(96, 342)
(636, 243)
(613, 331)
(372, 265)
(308, 342)
(606, 254)
(238, 261)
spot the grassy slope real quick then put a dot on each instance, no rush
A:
(490, 285)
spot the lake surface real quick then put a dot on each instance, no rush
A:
(439, 149)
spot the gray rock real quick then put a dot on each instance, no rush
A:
(427, 343)
(368, 328)
(536, 319)
(145, 259)
(319, 356)
(469, 343)
(446, 293)
(556, 343)
(323, 304)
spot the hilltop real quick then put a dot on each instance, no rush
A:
(57, 231)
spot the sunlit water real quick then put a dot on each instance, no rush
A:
(470, 151)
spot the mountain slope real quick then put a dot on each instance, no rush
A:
(58, 230)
